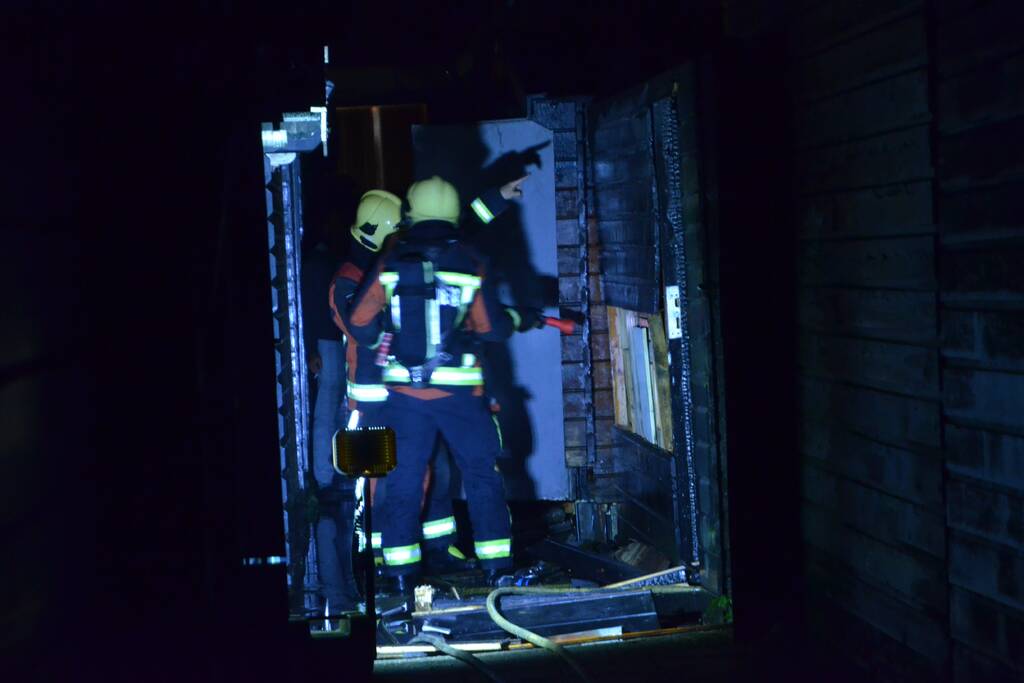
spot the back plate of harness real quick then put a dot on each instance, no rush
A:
(416, 312)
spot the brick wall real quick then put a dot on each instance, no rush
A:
(586, 376)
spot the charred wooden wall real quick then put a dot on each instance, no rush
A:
(906, 119)
(870, 411)
(979, 106)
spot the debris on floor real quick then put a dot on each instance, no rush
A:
(582, 563)
(567, 593)
(546, 614)
(642, 556)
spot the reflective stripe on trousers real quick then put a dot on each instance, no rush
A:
(492, 550)
(438, 528)
(367, 393)
(402, 555)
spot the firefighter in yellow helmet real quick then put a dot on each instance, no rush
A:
(378, 216)
(428, 298)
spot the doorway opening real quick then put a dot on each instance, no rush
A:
(611, 459)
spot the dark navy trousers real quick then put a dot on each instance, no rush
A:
(471, 433)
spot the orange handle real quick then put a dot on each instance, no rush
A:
(565, 326)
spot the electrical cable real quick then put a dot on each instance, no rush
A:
(528, 635)
(441, 646)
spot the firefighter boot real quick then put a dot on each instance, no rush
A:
(441, 560)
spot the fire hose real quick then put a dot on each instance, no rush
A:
(529, 636)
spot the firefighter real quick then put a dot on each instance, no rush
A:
(430, 300)
(377, 217)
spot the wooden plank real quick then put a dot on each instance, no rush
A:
(598, 319)
(662, 381)
(627, 199)
(851, 638)
(635, 229)
(897, 157)
(619, 166)
(879, 314)
(992, 399)
(897, 102)
(642, 396)
(982, 216)
(897, 263)
(883, 517)
(619, 370)
(900, 209)
(901, 368)
(916, 578)
(603, 431)
(994, 270)
(981, 155)
(628, 260)
(891, 50)
(599, 345)
(970, 666)
(983, 96)
(631, 293)
(988, 339)
(604, 403)
(988, 512)
(988, 568)
(624, 135)
(838, 21)
(986, 626)
(993, 457)
(636, 101)
(899, 472)
(908, 627)
(970, 39)
(895, 420)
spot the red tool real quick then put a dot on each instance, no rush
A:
(565, 326)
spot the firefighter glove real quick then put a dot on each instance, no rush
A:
(525, 319)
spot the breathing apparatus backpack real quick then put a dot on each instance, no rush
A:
(427, 306)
